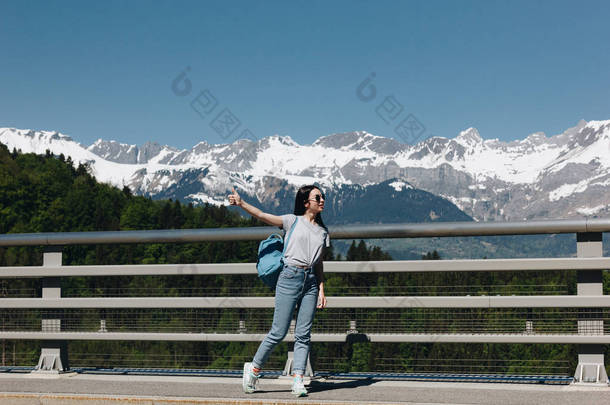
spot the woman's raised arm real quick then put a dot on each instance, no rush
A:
(235, 199)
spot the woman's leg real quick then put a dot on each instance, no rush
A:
(302, 333)
(287, 293)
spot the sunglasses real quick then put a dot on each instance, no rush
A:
(318, 198)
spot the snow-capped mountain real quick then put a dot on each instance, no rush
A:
(562, 176)
(131, 154)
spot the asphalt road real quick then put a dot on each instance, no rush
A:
(26, 389)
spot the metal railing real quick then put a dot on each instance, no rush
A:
(583, 323)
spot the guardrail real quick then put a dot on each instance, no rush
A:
(588, 332)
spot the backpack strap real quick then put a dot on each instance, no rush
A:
(288, 235)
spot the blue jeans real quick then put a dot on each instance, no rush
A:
(294, 287)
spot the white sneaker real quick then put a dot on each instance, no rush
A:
(298, 388)
(249, 379)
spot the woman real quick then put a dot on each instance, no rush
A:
(300, 283)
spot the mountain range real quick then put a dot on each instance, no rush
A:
(467, 177)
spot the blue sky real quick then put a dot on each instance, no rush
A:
(105, 69)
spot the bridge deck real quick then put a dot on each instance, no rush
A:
(25, 389)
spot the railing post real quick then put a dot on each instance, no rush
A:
(289, 363)
(54, 353)
(590, 368)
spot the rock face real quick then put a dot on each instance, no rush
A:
(114, 151)
(562, 176)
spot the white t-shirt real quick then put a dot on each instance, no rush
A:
(306, 242)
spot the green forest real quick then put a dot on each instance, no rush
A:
(46, 193)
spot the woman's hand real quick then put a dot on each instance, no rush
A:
(321, 299)
(234, 199)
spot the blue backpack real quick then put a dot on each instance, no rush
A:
(270, 257)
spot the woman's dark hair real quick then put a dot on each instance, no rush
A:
(301, 199)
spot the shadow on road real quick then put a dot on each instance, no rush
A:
(319, 386)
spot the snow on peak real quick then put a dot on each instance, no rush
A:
(597, 125)
(115, 151)
(536, 138)
(469, 137)
(360, 141)
(33, 141)
(202, 145)
(101, 141)
(282, 139)
(41, 136)
(342, 139)
(367, 135)
(98, 142)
